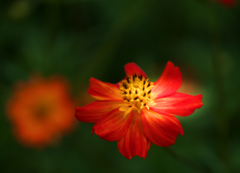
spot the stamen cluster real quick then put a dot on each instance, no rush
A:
(136, 90)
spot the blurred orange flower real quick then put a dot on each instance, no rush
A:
(41, 111)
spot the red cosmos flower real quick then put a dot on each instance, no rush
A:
(228, 3)
(41, 111)
(136, 112)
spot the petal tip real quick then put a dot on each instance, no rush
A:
(170, 63)
(182, 132)
(169, 82)
(132, 68)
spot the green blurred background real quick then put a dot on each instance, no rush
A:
(79, 39)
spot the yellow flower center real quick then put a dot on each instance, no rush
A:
(42, 110)
(137, 91)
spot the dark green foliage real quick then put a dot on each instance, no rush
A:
(79, 39)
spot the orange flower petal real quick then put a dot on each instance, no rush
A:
(135, 141)
(104, 91)
(34, 135)
(132, 68)
(160, 129)
(113, 126)
(169, 82)
(178, 104)
(92, 112)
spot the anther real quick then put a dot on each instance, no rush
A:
(125, 92)
(144, 94)
(130, 106)
(130, 92)
(144, 104)
(144, 82)
(140, 77)
(136, 98)
(128, 80)
(149, 84)
(134, 77)
(124, 85)
(149, 91)
(143, 88)
(136, 92)
(125, 98)
(141, 100)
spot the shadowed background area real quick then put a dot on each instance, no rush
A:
(79, 39)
